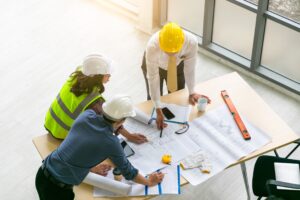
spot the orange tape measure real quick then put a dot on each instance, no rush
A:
(235, 115)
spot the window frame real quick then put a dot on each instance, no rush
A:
(254, 65)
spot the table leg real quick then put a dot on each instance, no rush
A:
(244, 171)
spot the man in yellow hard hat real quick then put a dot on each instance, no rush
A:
(170, 56)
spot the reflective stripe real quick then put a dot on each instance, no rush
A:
(64, 107)
(80, 107)
(61, 123)
(84, 103)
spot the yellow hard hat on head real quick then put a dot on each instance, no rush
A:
(171, 38)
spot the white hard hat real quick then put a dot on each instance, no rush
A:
(96, 64)
(118, 108)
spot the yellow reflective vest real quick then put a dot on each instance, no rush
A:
(65, 109)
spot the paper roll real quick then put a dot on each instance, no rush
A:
(141, 116)
(107, 184)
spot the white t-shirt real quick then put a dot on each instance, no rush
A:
(156, 58)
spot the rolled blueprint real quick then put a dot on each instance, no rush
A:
(107, 184)
(141, 116)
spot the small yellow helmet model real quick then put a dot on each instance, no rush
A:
(171, 38)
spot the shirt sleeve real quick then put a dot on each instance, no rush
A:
(153, 75)
(190, 64)
(119, 159)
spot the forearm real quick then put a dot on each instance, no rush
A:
(190, 72)
(154, 91)
(124, 132)
(154, 82)
(141, 180)
(159, 111)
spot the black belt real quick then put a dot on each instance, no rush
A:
(53, 180)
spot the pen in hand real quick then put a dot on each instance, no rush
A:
(161, 132)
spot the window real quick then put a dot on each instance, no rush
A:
(253, 1)
(261, 36)
(286, 8)
(281, 50)
(188, 14)
(233, 28)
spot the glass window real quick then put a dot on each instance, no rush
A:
(286, 8)
(188, 14)
(234, 28)
(281, 50)
(253, 1)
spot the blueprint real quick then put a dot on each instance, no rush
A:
(147, 157)
(217, 134)
(214, 134)
(170, 185)
(181, 113)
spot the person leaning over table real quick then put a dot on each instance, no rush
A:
(170, 56)
(83, 90)
(90, 141)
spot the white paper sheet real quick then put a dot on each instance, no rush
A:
(141, 116)
(181, 113)
(217, 134)
(287, 172)
(170, 185)
(107, 184)
(147, 157)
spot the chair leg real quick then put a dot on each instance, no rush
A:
(244, 172)
(294, 149)
(277, 155)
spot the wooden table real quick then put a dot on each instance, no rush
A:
(247, 102)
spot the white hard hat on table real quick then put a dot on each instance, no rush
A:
(95, 64)
(118, 108)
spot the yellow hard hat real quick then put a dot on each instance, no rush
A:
(171, 38)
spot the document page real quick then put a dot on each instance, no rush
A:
(215, 134)
(218, 135)
(181, 113)
(147, 157)
(170, 185)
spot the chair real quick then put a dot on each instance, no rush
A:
(264, 183)
(294, 149)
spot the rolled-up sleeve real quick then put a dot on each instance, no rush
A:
(119, 159)
(190, 62)
(153, 75)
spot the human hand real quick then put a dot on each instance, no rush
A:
(137, 138)
(160, 119)
(193, 98)
(155, 178)
(101, 169)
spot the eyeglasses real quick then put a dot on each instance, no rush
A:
(185, 128)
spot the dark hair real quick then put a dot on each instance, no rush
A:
(85, 84)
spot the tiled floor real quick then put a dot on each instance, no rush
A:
(41, 44)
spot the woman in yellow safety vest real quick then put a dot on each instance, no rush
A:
(83, 91)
